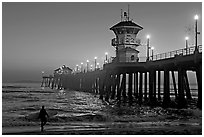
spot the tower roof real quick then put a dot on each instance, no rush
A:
(63, 68)
(126, 24)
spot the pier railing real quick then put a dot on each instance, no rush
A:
(166, 55)
(172, 54)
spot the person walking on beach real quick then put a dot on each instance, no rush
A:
(43, 117)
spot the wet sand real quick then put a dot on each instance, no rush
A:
(151, 121)
(194, 127)
(179, 130)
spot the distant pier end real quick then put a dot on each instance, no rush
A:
(56, 80)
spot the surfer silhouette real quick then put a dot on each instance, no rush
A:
(43, 117)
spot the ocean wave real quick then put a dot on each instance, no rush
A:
(13, 87)
(26, 91)
(14, 91)
(89, 117)
(31, 100)
(30, 109)
(57, 115)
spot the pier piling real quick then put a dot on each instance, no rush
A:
(199, 83)
(140, 88)
(181, 98)
(159, 85)
(136, 85)
(130, 89)
(124, 88)
(145, 86)
(166, 92)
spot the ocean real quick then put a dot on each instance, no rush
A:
(21, 102)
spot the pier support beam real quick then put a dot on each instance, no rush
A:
(130, 88)
(151, 87)
(53, 83)
(186, 85)
(145, 86)
(154, 86)
(80, 83)
(181, 98)
(45, 82)
(96, 85)
(199, 82)
(49, 81)
(114, 79)
(124, 88)
(118, 88)
(166, 98)
(174, 84)
(60, 83)
(136, 85)
(91, 81)
(108, 86)
(159, 86)
(42, 82)
(140, 88)
(101, 86)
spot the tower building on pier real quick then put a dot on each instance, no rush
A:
(126, 41)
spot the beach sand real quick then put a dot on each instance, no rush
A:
(194, 127)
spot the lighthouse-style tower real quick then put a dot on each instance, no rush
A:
(126, 42)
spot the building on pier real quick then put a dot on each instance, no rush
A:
(57, 79)
(126, 41)
(63, 70)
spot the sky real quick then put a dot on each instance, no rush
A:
(40, 37)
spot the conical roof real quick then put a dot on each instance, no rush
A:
(127, 24)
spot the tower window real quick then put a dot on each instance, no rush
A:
(132, 57)
(128, 31)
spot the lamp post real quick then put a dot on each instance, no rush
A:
(95, 62)
(148, 36)
(87, 65)
(91, 67)
(77, 68)
(196, 33)
(152, 48)
(81, 66)
(43, 73)
(106, 53)
(186, 44)
(97, 65)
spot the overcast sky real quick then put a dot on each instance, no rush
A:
(43, 36)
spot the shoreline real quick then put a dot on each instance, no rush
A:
(109, 128)
(178, 130)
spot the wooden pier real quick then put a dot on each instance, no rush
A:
(141, 82)
(127, 79)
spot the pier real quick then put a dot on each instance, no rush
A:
(127, 78)
(128, 82)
